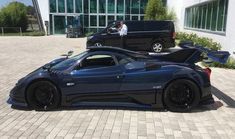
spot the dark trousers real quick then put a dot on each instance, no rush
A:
(123, 42)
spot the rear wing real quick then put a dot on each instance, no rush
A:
(217, 56)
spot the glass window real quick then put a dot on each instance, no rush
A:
(86, 21)
(119, 17)
(70, 6)
(51, 25)
(93, 6)
(110, 18)
(61, 6)
(59, 24)
(102, 6)
(143, 4)
(85, 5)
(220, 15)
(214, 16)
(70, 20)
(141, 17)
(225, 15)
(111, 5)
(203, 24)
(209, 15)
(135, 7)
(127, 17)
(134, 17)
(199, 17)
(102, 20)
(93, 20)
(120, 6)
(97, 61)
(52, 6)
(128, 5)
(78, 5)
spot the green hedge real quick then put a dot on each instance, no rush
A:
(208, 43)
(204, 41)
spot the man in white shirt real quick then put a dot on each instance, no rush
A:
(123, 33)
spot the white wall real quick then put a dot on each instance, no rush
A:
(44, 9)
(227, 41)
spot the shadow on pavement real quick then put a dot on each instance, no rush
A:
(222, 96)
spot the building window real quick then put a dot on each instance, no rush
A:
(93, 6)
(86, 6)
(78, 5)
(120, 6)
(102, 20)
(61, 6)
(93, 20)
(209, 16)
(70, 5)
(127, 6)
(53, 6)
(143, 3)
(86, 21)
(119, 17)
(135, 7)
(111, 6)
(110, 18)
(102, 6)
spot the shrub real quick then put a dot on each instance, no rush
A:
(14, 15)
(230, 64)
(204, 41)
(89, 34)
(155, 10)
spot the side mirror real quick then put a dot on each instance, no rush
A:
(68, 54)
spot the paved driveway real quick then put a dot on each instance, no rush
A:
(19, 56)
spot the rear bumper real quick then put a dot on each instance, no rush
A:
(206, 98)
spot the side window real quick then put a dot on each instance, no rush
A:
(97, 61)
(122, 60)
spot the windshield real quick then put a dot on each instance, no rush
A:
(68, 62)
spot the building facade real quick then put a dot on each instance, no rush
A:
(93, 15)
(207, 18)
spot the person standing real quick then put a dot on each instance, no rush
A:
(123, 33)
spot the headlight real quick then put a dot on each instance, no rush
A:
(90, 37)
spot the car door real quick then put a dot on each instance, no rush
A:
(97, 78)
(140, 83)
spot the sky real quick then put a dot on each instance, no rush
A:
(5, 2)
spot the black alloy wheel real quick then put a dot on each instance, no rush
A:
(43, 95)
(181, 95)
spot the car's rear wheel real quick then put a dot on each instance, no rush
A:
(43, 95)
(157, 47)
(181, 95)
(98, 44)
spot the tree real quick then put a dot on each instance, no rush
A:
(14, 15)
(155, 10)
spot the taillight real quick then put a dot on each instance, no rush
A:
(208, 72)
(173, 35)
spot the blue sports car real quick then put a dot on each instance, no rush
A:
(108, 76)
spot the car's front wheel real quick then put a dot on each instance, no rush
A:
(43, 95)
(181, 95)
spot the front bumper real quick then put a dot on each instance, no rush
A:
(17, 97)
